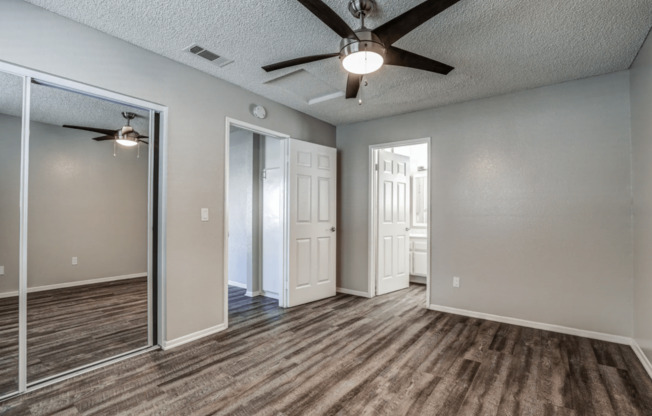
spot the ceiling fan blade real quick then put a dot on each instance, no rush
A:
(93, 129)
(353, 85)
(143, 141)
(101, 138)
(298, 61)
(399, 57)
(140, 136)
(328, 16)
(401, 25)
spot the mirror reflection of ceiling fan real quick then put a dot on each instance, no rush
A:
(125, 136)
(364, 50)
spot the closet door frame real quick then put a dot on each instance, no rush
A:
(157, 210)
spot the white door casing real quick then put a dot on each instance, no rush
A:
(312, 177)
(393, 268)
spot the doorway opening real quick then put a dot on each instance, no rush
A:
(400, 218)
(256, 220)
(288, 251)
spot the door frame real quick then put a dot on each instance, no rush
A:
(157, 214)
(232, 122)
(373, 213)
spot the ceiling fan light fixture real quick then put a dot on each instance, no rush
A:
(363, 62)
(127, 142)
(363, 55)
(126, 137)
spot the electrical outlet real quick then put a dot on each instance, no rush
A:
(204, 214)
(74, 261)
(456, 281)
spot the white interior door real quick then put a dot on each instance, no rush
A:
(393, 222)
(312, 176)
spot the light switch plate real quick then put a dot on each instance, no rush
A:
(74, 261)
(204, 214)
(2, 270)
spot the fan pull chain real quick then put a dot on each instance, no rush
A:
(364, 84)
(138, 153)
(114, 147)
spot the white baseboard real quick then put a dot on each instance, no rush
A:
(193, 337)
(353, 292)
(642, 357)
(237, 284)
(619, 339)
(252, 294)
(77, 283)
(269, 294)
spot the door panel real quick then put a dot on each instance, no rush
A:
(393, 226)
(312, 176)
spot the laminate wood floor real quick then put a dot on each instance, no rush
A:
(353, 356)
(72, 327)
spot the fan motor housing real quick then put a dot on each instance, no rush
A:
(367, 41)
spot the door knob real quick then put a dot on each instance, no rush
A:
(332, 229)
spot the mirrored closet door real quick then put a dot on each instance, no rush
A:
(87, 263)
(11, 99)
(79, 227)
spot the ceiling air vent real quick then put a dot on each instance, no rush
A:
(208, 55)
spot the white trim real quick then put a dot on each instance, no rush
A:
(162, 227)
(237, 284)
(252, 294)
(79, 87)
(269, 294)
(24, 213)
(619, 339)
(353, 292)
(642, 357)
(372, 236)
(73, 284)
(173, 343)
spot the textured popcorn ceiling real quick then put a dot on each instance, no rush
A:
(58, 107)
(496, 46)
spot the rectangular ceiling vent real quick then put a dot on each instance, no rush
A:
(208, 55)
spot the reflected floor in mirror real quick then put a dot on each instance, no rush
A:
(72, 327)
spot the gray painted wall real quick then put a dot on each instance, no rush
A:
(641, 102)
(530, 195)
(198, 105)
(83, 202)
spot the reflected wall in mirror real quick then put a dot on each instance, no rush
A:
(87, 238)
(420, 199)
(11, 99)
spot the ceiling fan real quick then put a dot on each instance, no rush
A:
(125, 136)
(364, 50)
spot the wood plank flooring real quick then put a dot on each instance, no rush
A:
(353, 356)
(71, 327)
